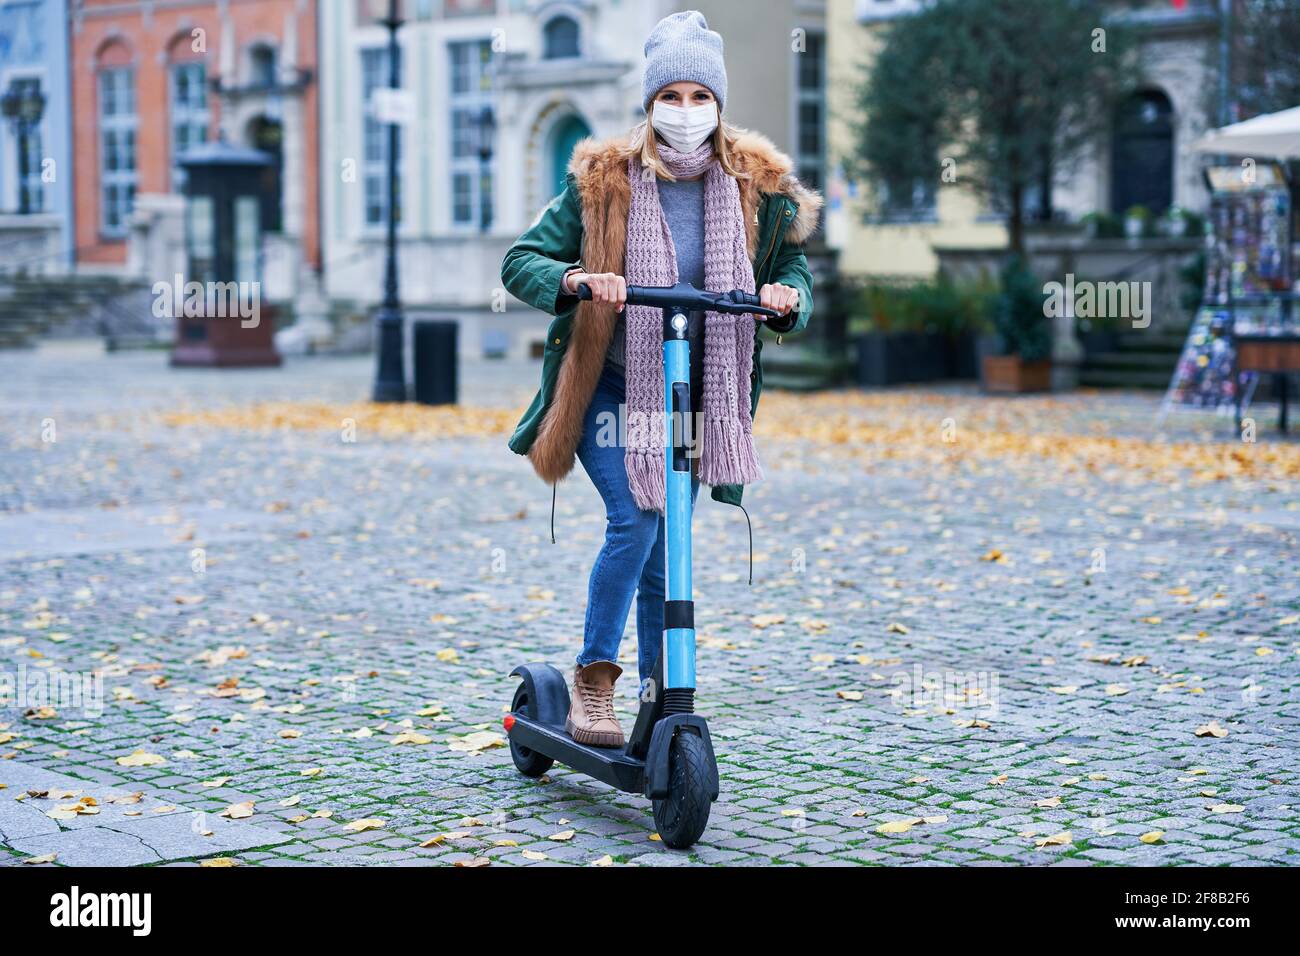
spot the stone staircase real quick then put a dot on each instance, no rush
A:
(77, 306)
(1142, 359)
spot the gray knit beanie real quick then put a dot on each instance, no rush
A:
(682, 47)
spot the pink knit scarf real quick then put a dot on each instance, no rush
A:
(726, 448)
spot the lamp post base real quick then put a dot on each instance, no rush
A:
(390, 374)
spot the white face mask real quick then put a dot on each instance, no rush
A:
(684, 127)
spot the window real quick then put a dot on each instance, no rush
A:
(117, 124)
(200, 226)
(471, 133)
(374, 76)
(189, 106)
(907, 199)
(248, 209)
(261, 66)
(560, 38)
(810, 134)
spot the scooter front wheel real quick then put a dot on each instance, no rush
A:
(682, 816)
(528, 762)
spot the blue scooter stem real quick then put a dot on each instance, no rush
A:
(679, 641)
(681, 446)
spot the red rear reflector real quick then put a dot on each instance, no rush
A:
(509, 722)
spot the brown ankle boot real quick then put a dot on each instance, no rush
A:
(591, 706)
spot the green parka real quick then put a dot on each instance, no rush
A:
(586, 225)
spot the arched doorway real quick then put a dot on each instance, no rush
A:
(564, 136)
(267, 135)
(1142, 154)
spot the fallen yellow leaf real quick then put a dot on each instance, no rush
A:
(411, 737)
(360, 826)
(898, 826)
(1058, 839)
(139, 758)
(239, 811)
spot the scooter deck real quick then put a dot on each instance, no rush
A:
(609, 765)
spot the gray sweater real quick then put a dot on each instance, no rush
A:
(683, 206)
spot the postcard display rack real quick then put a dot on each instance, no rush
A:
(1248, 272)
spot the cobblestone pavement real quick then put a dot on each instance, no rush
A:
(273, 613)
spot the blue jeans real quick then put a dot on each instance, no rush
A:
(631, 561)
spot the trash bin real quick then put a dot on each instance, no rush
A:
(435, 361)
(496, 343)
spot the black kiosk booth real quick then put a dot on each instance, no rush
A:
(220, 318)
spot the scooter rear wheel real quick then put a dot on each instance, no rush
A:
(528, 762)
(682, 816)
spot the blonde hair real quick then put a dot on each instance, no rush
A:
(645, 145)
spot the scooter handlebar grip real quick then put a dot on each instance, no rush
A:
(584, 291)
(755, 302)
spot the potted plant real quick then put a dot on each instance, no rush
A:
(960, 313)
(895, 347)
(1136, 221)
(1099, 224)
(1176, 221)
(1024, 335)
(1099, 334)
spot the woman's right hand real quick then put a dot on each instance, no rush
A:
(607, 288)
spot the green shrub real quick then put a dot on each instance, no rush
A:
(1104, 225)
(936, 306)
(1022, 327)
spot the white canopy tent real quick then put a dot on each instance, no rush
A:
(1271, 136)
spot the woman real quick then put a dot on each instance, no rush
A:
(682, 197)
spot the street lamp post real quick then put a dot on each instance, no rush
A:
(390, 375)
(23, 104)
(487, 125)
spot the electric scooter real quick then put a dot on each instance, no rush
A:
(669, 755)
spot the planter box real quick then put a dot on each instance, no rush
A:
(962, 356)
(1007, 374)
(901, 358)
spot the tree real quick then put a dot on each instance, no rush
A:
(1265, 57)
(997, 95)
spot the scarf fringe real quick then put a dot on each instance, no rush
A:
(646, 477)
(728, 456)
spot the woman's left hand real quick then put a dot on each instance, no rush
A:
(783, 298)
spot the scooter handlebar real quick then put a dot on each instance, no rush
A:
(686, 296)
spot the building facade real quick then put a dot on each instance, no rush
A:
(1143, 160)
(35, 153)
(151, 79)
(498, 92)
(777, 67)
